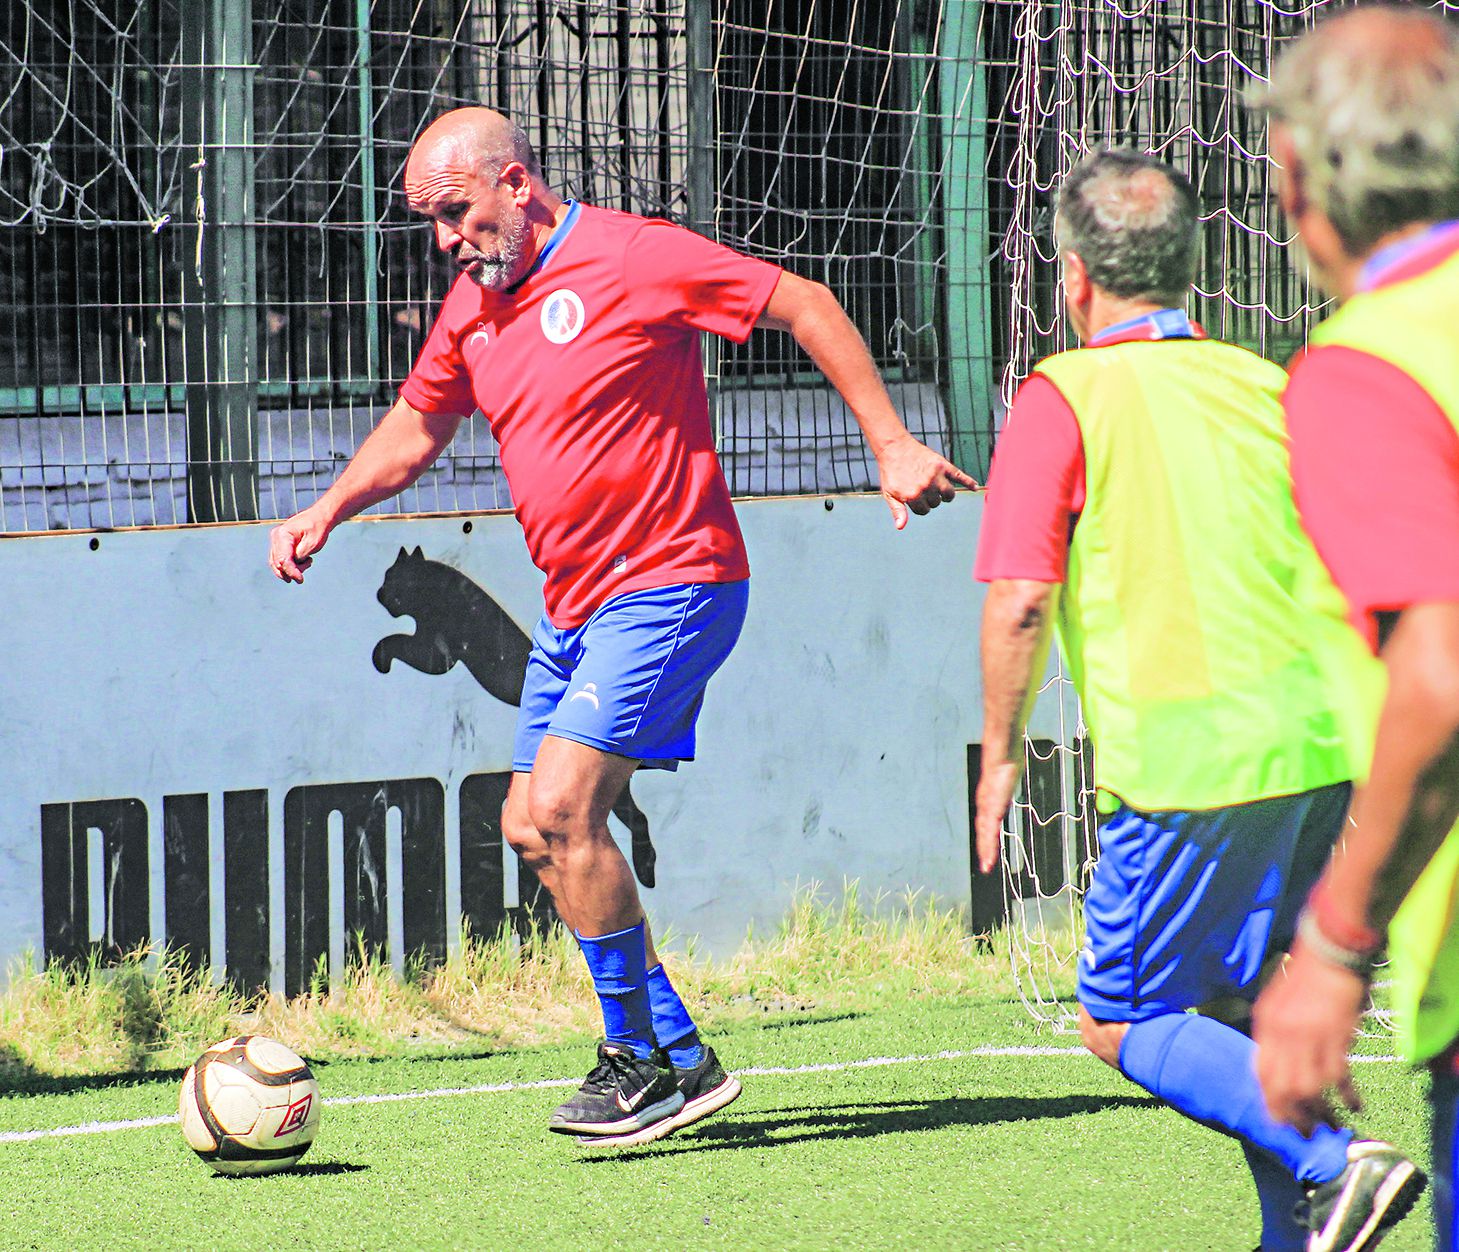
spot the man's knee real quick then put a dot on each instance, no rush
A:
(524, 838)
(1102, 1038)
(559, 813)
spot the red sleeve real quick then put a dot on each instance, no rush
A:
(1035, 489)
(1375, 469)
(677, 277)
(439, 383)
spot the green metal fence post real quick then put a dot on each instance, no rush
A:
(701, 175)
(964, 108)
(369, 206)
(220, 316)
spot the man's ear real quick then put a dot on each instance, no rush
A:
(518, 182)
(1076, 278)
(1291, 177)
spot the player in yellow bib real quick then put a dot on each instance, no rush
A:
(1365, 130)
(1140, 502)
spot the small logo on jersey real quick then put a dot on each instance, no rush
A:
(296, 1115)
(563, 316)
(588, 693)
(619, 562)
(478, 338)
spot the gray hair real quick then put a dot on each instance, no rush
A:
(1132, 221)
(1374, 120)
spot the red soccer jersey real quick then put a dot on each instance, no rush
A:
(590, 375)
(1375, 461)
(1375, 469)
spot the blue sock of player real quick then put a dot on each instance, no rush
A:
(1279, 1194)
(672, 1022)
(1444, 1105)
(619, 966)
(1207, 1071)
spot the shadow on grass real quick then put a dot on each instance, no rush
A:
(777, 1128)
(445, 1054)
(790, 1020)
(18, 1078)
(315, 1169)
(324, 1169)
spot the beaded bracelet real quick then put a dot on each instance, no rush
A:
(1330, 953)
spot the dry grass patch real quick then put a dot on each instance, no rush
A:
(153, 1012)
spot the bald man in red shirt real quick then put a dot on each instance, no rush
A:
(575, 330)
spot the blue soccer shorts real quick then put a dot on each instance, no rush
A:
(1185, 907)
(631, 679)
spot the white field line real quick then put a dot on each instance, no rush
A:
(498, 1088)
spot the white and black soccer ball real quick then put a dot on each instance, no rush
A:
(249, 1106)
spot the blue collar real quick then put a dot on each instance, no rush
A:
(1161, 324)
(554, 241)
(1377, 267)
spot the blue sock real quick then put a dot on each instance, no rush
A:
(1444, 1103)
(672, 1021)
(1279, 1194)
(1207, 1071)
(619, 967)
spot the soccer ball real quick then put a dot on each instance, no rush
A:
(249, 1106)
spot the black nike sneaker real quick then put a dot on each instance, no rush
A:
(706, 1089)
(1357, 1208)
(623, 1095)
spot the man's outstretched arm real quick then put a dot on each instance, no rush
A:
(1017, 627)
(398, 451)
(913, 476)
(1305, 1020)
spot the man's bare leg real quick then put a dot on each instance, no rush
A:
(528, 842)
(702, 1080)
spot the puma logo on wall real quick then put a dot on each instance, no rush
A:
(457, 621)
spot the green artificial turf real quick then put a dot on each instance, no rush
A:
(981, 1152)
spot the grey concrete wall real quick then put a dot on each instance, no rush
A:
(145, 665)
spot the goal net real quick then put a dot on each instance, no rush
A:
(1171, 80)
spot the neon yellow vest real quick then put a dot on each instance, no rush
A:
(1205, 638)
(1412, 325)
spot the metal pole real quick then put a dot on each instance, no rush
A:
(219, 288)
(369, 204)
(964, 108)
(702, 170)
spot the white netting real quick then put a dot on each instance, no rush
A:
(1172, 80)
(209, 286)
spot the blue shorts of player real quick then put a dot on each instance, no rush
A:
(1185, 907)
(631, 679)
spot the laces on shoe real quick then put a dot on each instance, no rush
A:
(601, 1078)
(608, 1074)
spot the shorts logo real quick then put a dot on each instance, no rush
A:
(563, 317)
(588, 693)
(296, 1115)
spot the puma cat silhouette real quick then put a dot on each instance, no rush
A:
(456, 620)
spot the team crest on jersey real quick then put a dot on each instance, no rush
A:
(478, 338)
(562, 316)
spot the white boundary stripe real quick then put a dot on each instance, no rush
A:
(500, 1088)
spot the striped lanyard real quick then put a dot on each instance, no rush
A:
(1161, 324)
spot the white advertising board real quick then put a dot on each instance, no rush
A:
(197, 753)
